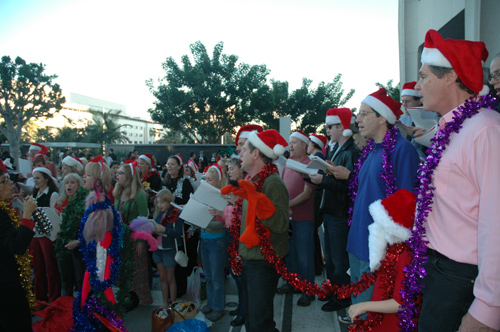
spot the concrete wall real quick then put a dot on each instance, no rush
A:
(416, 17)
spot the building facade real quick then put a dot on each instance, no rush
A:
(76, 110)
(458, 19)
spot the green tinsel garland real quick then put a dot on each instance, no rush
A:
(71, 217)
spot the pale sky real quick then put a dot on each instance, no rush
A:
(107, 49)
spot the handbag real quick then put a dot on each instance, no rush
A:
(160, 322)
(183, 310)
(180, 256)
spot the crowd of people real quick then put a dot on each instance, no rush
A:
(409, 229)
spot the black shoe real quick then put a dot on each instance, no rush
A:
(334, 305)
(234, 312)
(305, 300)
(239, 320)
(326, 299)
(285, 289)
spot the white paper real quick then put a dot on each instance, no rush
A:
(196, 213)
(28, 190)
(55, 220)
(318, 163)
(425, 139)
(196, 209)
(300, 167)
(25, 167)
(209, 195)
(421, 118)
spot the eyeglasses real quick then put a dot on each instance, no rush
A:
(495, 76)
(5, 180)
(363, 114)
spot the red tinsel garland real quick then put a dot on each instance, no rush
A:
(387, 270)
(149, 174)
(172, 217)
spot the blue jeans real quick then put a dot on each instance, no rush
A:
(358, 267)
(213, 258)
(336, 258)
(300, 259)
(259, 279)
(448, 293)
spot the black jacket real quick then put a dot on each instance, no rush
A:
(336, 199)
(12, 242)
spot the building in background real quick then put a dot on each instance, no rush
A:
(475, 20)
(76, 109)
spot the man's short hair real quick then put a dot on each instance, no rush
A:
(378, 115)
(265, 158)
(441, 71)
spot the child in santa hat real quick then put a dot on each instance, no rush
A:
(389, 255)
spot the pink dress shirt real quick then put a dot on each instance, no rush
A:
(464, 223)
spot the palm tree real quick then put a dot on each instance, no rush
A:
(104, 128)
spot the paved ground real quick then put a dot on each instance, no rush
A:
(288, 316)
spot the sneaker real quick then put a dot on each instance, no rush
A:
(305, 300)
(206, 309)
(215, 315)
(334, 305)
(345, 319)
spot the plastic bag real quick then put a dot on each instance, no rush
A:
(189, 325)
(194, 285)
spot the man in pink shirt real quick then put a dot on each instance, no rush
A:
(301, 256)
(462, 286)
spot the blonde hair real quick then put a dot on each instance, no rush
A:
(98, 222)
(64, 194)
(223, 181)
(164, 195)
(102, 172)
(133, 182)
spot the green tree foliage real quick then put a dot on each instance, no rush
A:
(104, 128)
(26, 93)
(205, 100)
(392, 91)
(308, 106)
(269, 103)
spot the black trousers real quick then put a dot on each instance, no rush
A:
(448, 293)
(15, 315)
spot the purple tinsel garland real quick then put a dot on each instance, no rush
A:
(416, 270)
(387, 174)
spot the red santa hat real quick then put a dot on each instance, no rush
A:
(465, 57)
(149, 159)
(73, 162)
(178, 156)
(318, 139)
(46, 171)
(218, 170)
(269, 142)
(3, 168)
(300, 135)
(392, 223)
(409, 89)
(39, 147)
(384, 105)
(246, 130)
(341, 116)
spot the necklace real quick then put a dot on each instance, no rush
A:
(416, 270)
(24, 260)
(387, 174)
